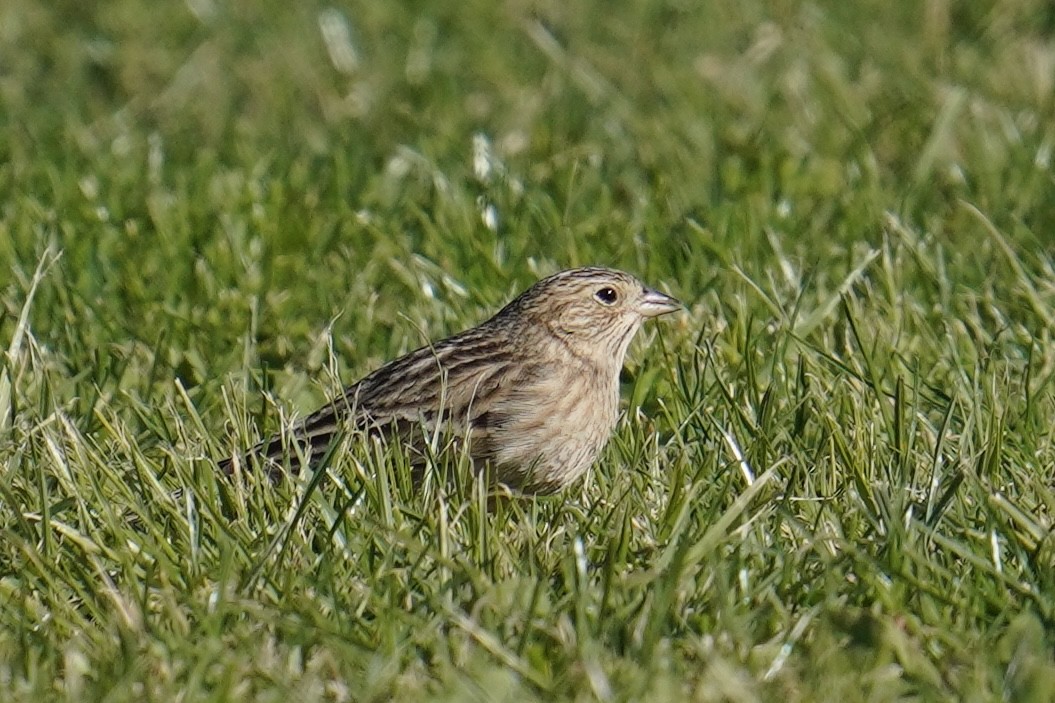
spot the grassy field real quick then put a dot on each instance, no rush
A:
(835, 480)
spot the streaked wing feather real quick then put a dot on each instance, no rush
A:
(455, 383)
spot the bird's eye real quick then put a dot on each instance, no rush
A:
(607, 295)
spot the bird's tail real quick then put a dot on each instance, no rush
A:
(302, 446)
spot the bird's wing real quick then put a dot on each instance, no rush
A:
(450, 391)
(453, 392)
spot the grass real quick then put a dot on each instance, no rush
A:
(836, 476)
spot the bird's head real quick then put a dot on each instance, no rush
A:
(595, 311)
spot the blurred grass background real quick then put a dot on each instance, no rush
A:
(835, 480)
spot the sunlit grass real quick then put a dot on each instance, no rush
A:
(834, 479)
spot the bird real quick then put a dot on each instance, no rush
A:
(531, 393)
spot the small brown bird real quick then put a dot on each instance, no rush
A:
(533, 391)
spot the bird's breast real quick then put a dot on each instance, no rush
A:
(554, 428)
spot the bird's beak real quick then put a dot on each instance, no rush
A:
(654, 303)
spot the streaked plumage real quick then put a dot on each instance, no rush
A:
(534, 391)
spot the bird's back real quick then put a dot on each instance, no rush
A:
(433, 395)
